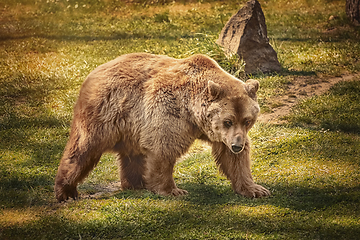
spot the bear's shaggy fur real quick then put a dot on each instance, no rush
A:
(149, 109)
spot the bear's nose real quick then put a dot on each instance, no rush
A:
(237, 148)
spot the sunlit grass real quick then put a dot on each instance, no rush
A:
(338, 110)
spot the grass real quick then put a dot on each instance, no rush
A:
(332, 110)
(311, 165)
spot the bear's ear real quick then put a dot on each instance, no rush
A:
(215, 90)
(251, 87)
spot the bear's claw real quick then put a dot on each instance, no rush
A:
(178, 192)
(66, 192)
(255, 191)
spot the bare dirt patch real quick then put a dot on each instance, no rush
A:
(301, 87)
(103, 190)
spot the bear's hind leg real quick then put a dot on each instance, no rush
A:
(236, 167)
(77, 161)
(159, 176)
(132, 168)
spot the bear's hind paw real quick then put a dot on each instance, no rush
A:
(170, 192)
(178, 192)
(255, 191)
(66, 192)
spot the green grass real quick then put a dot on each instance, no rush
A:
(311, 164)
(338, 110)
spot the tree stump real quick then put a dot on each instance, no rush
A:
(353, 11)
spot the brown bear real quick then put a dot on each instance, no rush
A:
(149, 109)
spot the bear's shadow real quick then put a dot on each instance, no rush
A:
(298, 198)
(198, 193)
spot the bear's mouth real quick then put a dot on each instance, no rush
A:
(236, 149)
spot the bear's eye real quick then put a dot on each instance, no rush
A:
(228, 123)
(247, 123)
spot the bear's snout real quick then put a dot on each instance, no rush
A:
(237, 144)
(237, 148)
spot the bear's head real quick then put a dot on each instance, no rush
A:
(232, 111)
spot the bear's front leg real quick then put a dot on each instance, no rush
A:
(159, 176)
(236, 167)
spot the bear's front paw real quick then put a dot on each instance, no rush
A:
(254, 191)
(66, 192)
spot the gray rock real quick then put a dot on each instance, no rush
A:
(246, 34)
